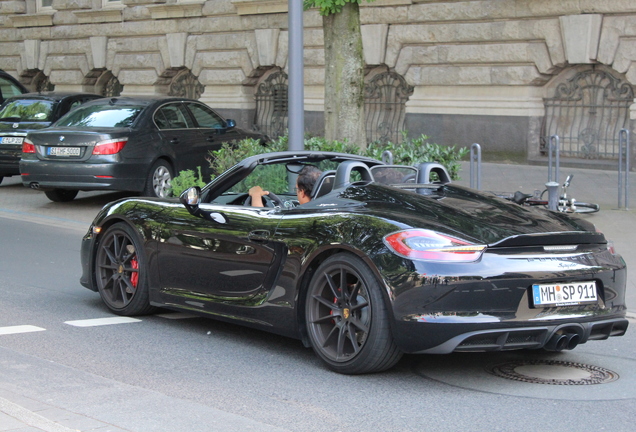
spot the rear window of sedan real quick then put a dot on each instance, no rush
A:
(31, 110)
(98, 116)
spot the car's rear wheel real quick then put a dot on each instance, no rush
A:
(120, 271)
(158, 182)
(347, 320)
(61, 195)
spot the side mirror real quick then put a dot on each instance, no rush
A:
(230, 123)
(191, 197)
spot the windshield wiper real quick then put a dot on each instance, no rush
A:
(11, 119)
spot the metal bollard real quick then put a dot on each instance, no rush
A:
(475, 175)
(387, 157)
(553, 195)
(623, 168)
(553, 150)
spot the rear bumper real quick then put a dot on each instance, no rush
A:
(47, 175)
(439, 309)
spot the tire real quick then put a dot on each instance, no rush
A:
(159, 178)
(581, 207)
(344, 299)
(61, 195)
(120, 272)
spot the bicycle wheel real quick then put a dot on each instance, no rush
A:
(581, 207)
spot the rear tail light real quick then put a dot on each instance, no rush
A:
(27, 146)
(109, 147)
(431, 246)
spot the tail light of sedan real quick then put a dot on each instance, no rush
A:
(420, 244)
(27, 146)
(110, 147)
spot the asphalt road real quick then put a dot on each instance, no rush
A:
(172, 372)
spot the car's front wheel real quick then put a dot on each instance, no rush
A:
(158, 182)
(120, 271)
(61, 195)
(347, 320)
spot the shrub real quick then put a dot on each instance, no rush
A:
(185, 180)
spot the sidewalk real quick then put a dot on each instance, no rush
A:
(21, 414)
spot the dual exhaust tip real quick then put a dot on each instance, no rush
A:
(562, 341)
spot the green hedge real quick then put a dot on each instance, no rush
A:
(408, 152)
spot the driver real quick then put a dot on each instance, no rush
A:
(304, 186)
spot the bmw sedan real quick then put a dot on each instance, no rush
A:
(28, 112)
(378, 262)
(132, 144)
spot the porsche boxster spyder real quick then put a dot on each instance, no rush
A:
(383, 260)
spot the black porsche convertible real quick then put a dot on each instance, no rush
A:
(383, 260)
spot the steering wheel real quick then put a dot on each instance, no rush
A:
(269, 200)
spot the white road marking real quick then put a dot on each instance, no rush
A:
(177, 315)
(102, 321)
(19, 329)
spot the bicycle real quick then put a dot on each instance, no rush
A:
(564, 205)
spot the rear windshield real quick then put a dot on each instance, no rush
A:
(99, 116)
(31, 110)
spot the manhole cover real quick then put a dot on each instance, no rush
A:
(553, 372)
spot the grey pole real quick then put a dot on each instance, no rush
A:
(296, 96)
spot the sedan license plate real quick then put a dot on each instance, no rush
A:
(64, 151)
(564, 294)
(11, 140)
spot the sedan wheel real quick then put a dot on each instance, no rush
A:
(347, 320)
(158, 183)
(120, 268)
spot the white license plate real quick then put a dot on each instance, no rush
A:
(64, 151)
(564, 294)
(11, 140)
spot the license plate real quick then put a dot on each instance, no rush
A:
(64, 151)
(11, 140)
(564, 294)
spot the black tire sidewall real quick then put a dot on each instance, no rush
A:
(140, 303)
(379, 340)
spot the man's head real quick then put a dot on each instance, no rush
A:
(305, 183)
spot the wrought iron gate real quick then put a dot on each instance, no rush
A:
(271, 117)
(385, 100)
(587, 112)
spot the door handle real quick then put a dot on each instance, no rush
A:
(258, 235)
(174, 141)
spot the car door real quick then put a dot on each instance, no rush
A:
(212, 128)
(178, 133)
(227, 259)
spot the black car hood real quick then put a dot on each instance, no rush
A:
(23, 127)
(472, 215)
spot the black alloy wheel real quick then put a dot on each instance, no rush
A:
(61, 195)
(346, 318)
(120, 267)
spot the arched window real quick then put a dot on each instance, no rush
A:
(272, 117)
(385, 97)
(36, 81)
(180, 82)
(587, 112)
(103, 82)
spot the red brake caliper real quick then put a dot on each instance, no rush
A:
(134, 278)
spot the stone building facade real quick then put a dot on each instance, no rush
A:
(507, 74)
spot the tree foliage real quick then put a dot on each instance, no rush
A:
(329, 7)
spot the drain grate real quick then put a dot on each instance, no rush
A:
(553, 372)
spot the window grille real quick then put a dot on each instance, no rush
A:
(271, 117)
(587, 112)
(385, 100)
